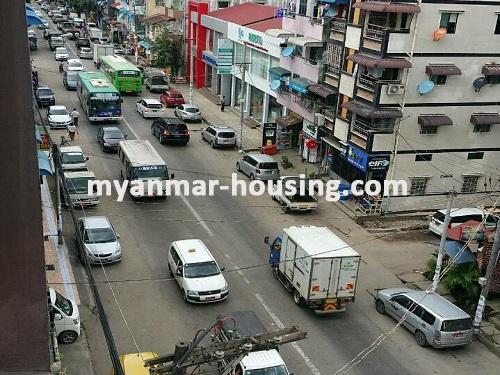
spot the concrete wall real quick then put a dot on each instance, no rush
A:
(303, 26)
(300, 66)
(288, 102)
(152, 8)
(353, 37)
(346, 86)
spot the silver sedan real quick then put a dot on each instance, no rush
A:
(188, 112)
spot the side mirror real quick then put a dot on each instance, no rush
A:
(58, 316)
(178, 272)
(138, 101)
(266, 240)
(222, 269)
(87, 158)
(125, 135)
(172, 176)
(117, 236)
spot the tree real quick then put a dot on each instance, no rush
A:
(167, 50)
(83, 6)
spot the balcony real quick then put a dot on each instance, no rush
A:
(305, 25)
(371, 89)
(377, 37)
(306, 68)
(362, 132)
(338, 28)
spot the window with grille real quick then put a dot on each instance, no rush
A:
(333, 58)
(423, 157)
(470, 184)
(428, 130)
(485, 128)
(439, 79)
(418, 185)
(475, 155)
(449, 22)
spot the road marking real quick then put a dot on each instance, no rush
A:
(197, 216)
(314, 370)
(240, 272)
(227, 256)
(130, 128)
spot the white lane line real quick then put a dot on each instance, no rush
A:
(130, 128)
(197, 216)
(314, 370)
(227, 256)
(240, 272)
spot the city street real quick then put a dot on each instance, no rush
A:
(144, 305)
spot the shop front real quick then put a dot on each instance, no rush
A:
(366, 166)
(309, 145)
(288, 131)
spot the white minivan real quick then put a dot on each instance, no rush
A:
(196, 271)
(459, 216)
(66, 317)
(73, 158)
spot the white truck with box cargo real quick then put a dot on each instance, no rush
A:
(102, 50)
(95, 33)
(316, 266)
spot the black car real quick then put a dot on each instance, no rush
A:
(82, 42)
(44, 96)
(170, 130)
(109, 137)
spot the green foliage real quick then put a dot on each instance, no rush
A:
(167, 50)
(285, 163)
(461, 280)
(85, 6)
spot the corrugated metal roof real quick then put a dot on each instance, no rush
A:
(245, 14)
(263, 26)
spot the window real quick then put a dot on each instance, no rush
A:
(159, 2)
(418, 185)
(449, 22)
(485, 128)
(403, 301)
(456, 325)
(333, 58)
(475, 155)
(423, 157)
(497, 26)
(439, 80)
(428, 317)
(428, 129)
(493, 80)
(303, 7)
(470, 184)
(259, 64)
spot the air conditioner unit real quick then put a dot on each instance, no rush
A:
(395, 89)
(320, 119)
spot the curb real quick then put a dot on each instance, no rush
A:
(491, 346)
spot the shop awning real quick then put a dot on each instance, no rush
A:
(443, 70)
(322, 91)
(387, 7)
(278, 72)
(491, 70)
(452, 248)
(290, 121)
(300, 84)
(145, 44)
(334, 2)
(304, 41)
(485, 119)
(372, 61)
(158, 18)
(44, 164)
(371, 112)
(334, 143)
(434, 120)
(279, 33)
(32, 19)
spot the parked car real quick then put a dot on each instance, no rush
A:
(188, 112)
(31, 33)
(156, 82)
(70, 79)
(44, 96)
(109, 137)
(75, 65)
(44, 25)
(219, 136)
(85, 53)
(258, 167)
(99, 240)
(118, 49)
(61, 54)
(73, 158)
(170, 130)
(197, 273)
(171, 98)
(66, 317)
(56, 42)
(459, 216)
(431, 318)
(58, 117)
(150, 108)
(82, 42)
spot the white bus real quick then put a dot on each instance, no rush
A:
(141, 163)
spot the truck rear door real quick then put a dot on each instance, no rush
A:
(289, 263)
(344, 274)
(320, 278)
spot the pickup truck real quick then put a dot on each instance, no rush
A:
(295, 202)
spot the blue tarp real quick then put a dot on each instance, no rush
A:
(452, 248)
(334, 2)
(32, 19)
(45, 164)
(300, 84)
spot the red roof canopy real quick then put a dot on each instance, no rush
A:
(245, 14)
(263, 26)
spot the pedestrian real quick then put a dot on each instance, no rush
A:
(72, 131)
(223, 103)
(61, 67)
(74, 115)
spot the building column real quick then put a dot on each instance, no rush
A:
(265, 108)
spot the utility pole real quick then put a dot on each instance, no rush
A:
(486, 281)
(57, 163)
(439, 261)
(243, 95)
(191, 66)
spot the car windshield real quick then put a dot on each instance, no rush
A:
(73, 158)
(58, 112)
(75, 64)
(191, 109)
(456, 325)
(155, 106)
(61, 50)
(174, 95)
(113, 135)
(44, 92)
(154, 171)
(64, 304)
(226, 135)
(269, 165)
(203, 269)
(275, 370)
(86, 50)
(99, 235)
(159, 80)
(78, 185)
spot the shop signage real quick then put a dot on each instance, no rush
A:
(225, 57)
(357, 158)
(269, 133)
(209, 58)
(255, 39)
(378, 162)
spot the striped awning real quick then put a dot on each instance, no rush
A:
(443, 70)
(387, 7)
(485, 119)
(304, 41)
(278, 72)
(434, 120)
(322, 91)
(368, 111)
(372, 61)
(491, 70)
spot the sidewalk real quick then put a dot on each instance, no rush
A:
(76, 357)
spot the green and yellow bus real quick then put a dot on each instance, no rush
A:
(124, 75)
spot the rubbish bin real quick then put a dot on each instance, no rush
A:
(269, 150)
(345, 192)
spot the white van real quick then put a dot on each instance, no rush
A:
(73, 158)
(459, 216)
(262, 362)
(66, 317)
(196, 272)
(77, 184)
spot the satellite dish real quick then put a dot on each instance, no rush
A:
(288, 51)
(478, 83)
(275, 84)
(425, 87)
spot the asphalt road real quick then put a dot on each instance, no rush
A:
(145, 307)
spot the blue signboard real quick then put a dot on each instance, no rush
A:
(209, 58)
(357, 157)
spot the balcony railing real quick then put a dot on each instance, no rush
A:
(338, 25)
(375, 32)
(367, 81)
(365, 129)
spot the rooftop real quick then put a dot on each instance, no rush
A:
(245, 14)
(263, 26)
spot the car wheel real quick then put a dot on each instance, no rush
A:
(297, 298)
(203, 137)
(161, 138)
(212, 144)
(152, 130)
(420, 338)
(252, 177)
(238, 167)
(170, 271)
(380, 307)
(67, 337)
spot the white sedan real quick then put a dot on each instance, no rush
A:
(150, 108)
(85, 53)
(61, 54)
(75, 65)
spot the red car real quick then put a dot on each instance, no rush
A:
(172, 98)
